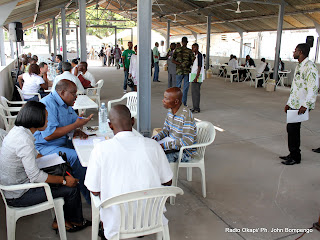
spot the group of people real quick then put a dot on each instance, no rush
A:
(262, 68)
(111, 56)
(47, 127)
(35, 80)
(184, 66)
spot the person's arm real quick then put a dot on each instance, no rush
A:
(62, 131)
(20, 80)
(188, 136)
(312, 82)
(70, 181)
(76, 71)
(174, 57)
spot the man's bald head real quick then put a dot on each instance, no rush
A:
(65, 84)
(67, 90)
(176, 92)
(172, 98)
(120, 119)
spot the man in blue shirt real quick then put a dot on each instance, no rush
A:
(63, 122)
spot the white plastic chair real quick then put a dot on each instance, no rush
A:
(132, 102)
(6, 110)
(29, 94)
(206, 134)
(254, 74)
(94, 93)
(3, 133)
(144, 207)
(14, 213)
(229, 69)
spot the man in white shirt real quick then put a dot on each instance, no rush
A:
(83, 70)
(125, 163)
(66, 68)
(303, 96)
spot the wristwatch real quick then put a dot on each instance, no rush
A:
(64, 182)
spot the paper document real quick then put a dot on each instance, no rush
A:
(166, 139)
(293, 117)
(49, 160)
(88, 141)
(192, 76)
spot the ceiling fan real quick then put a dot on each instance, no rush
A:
(238, 9)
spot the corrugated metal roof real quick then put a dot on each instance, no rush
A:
(187, 16)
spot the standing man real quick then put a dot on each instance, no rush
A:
(117, 56)
(183, 58)
(198, 75)
(171, 67)
(126, 56)
(156, 56)
(303, 96)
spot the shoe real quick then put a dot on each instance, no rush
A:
(194, 110)
(290, 161)
(74, 228)
(285, 157)
(316, 150)
(157, 81)
(124, 91)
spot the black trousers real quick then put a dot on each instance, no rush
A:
(293, 130)
(195, 93)
(72, 201)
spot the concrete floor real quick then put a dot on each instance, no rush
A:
(247, 186)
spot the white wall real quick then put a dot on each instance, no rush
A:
(6, 83)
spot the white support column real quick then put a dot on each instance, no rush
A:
(77, 41)
(64, 34)
(208, 41)
(144, 67)
(2, 52)
(168, 35)
(59, 44)
(83, 33)
(12, 49)
(241, 44)
(54, 36)
(115, 37)
(132, 34)
(49, 37)
(279, 34)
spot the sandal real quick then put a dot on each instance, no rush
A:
(75, 228)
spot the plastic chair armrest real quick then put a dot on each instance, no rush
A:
(31, 185)
(113, 101)
(95, 200)
(17, 102)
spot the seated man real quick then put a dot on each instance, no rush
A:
(63, 122)
(66, 68)
(179, 125)
(59, 61)
(85, 77)
(125, 163)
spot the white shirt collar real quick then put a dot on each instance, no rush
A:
(304, 62)
(124, 134)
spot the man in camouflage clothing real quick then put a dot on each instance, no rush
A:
(183, 58)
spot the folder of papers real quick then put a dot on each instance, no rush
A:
(293, 117)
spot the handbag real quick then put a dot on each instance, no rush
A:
(60, 169)
(130, 83)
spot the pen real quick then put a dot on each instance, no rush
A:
(68, 173)
(89, 135)
(81, 117)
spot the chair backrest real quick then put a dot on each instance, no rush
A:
(5, 118)
(132, 101)
(229, 68)
(206, 134)
(3, 133)
(20, 93)
(99, 86)
(141, 210)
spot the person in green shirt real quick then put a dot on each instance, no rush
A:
(126, 56)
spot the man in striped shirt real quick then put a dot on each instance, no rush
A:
(179, 127)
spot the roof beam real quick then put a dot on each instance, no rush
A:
(36, 12)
